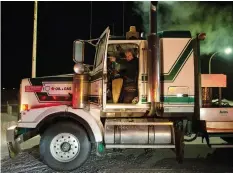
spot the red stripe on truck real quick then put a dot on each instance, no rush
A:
(33, 88)
(48, 105)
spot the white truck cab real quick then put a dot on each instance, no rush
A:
(76, 112)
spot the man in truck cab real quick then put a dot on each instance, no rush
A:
(129, 72)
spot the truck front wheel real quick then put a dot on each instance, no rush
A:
(64, 146)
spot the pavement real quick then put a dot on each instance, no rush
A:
(198, 158)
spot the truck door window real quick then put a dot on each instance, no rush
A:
(100, 52)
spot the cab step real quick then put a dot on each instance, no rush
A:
(138, 146)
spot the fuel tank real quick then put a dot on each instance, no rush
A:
(138, 132)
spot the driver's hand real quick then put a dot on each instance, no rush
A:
(112, 59)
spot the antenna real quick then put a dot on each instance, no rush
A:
(123, 19)
(91, 20)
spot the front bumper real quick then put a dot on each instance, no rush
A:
(13, 143)
(14, 140)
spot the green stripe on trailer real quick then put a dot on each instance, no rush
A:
(176, 68)
(144, 100)
(171, 99)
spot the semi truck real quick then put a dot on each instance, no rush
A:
(75, 113)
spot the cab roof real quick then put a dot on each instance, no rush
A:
(174, 34)
(161, 34)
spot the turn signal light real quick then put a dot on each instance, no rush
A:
(24, 107)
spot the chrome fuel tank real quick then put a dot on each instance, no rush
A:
(138, 132)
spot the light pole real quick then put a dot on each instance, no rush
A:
(34, 41)
(227, 51)
(210, 61)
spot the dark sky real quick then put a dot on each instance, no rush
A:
(59, 23)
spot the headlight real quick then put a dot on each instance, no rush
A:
(79, 68)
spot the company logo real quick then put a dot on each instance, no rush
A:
(47, 88)
(52, 89)
(62, 89)
(223, 112)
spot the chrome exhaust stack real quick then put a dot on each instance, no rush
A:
(154, 61)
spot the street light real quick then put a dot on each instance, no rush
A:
(227, 51)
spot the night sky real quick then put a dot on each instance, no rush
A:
(59, 24)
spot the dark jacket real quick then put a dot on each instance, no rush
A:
(129, 69)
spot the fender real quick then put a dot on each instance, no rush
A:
(33, 117)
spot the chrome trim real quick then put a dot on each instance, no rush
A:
(10, 134)
(127, 106)
(219, 127)
(178, 109)
(138, 132)
(216, 114)
(139, 146)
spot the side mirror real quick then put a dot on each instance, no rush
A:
(78, 51)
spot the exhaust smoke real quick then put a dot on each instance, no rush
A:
(215, 21)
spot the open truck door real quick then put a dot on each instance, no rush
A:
(98, 73)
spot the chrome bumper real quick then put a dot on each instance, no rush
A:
(13, 143)
(14, 140)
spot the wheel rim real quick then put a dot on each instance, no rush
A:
(65, 147)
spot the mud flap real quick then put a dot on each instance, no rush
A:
(179, 144)
(100, 149)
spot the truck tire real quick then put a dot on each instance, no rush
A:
(228, 139)
(64, 146)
